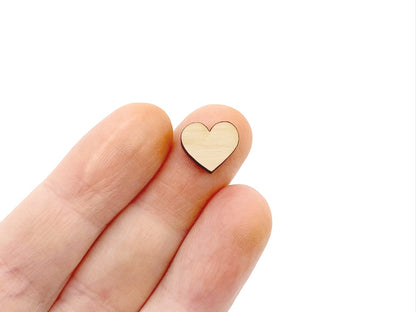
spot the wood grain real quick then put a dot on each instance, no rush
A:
(209, 148)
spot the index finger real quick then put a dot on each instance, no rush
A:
(68, 211)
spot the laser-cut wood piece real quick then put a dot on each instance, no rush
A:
(209, 148)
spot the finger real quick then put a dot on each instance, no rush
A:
(217, 256)
(129, 259)
(46, 236)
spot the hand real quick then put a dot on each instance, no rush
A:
(128, 222)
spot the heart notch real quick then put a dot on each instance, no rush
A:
(209, 148)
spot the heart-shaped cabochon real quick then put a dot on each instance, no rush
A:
(209, 148)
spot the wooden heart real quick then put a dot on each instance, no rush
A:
(209, 148)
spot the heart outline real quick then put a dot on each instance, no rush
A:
(209, 131)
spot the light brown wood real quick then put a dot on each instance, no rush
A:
(209, 148)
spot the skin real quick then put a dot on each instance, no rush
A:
(128, 222)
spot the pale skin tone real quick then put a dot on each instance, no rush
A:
(128, 222)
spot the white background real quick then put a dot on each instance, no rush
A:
(328, 87)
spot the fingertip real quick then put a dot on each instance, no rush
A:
(218, 254)
(140, 111)
(118, 156)
(159, 130)
(248, 215)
